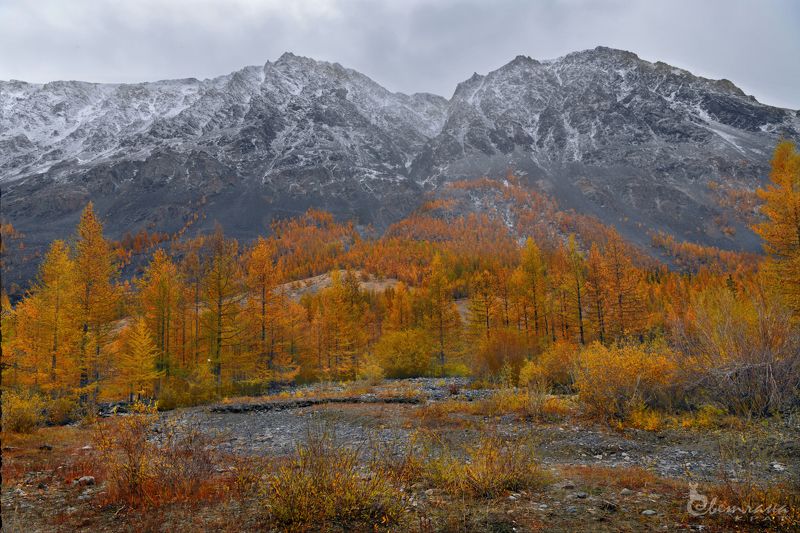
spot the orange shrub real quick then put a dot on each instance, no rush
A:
(555, 367)
(611, 382)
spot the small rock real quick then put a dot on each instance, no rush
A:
(778, 467)
(430, 492)
(626, 492)
(598, 456)
(513, 498)
(84, 481)
(19, 492)
(87, 447)
(608, 506)
(572, 509)
(568, 485)
(70, 510)
(648, 512)
(581, 495)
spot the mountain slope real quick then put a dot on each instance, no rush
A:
(604, 132)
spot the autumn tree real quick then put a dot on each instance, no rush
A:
(533, 270)
(160, 290)
(55, 289)
(441, 312)
(222, 290)
(576, 282)
(262, 277)
(781, 230)
(622, 282)
(482, 305)
(97, 297)
(136, 371)
(595, 291)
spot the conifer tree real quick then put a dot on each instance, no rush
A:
(97, 297)
(136, 369)
(781, 230)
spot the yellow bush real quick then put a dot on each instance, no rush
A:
(491, 467)
(554, 367)
(611, 381)
(503, 352)
(642, 417)
(22, 412)
(62, 410)
(371, 372)
(405, 354)
(325, 485)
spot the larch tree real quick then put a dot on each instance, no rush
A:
(136, 372)
(781, 230)
(577, 282)
(56, 290)
(623, 284)
(223, 290)
(262, 278)
(160, 291)
(533, 269)
(97, 297)
(443, 319)
(595, 291)
(482, 305)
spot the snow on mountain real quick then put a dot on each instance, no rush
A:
(603, 131)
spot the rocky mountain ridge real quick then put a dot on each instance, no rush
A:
(602, 131)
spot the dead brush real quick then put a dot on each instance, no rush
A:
(741, 489)
(142, 473)
(488, 469)
(324, 483)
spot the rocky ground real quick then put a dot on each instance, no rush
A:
(613, 480)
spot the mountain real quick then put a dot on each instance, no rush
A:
(602, 131)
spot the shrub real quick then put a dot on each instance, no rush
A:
(141, 473)
(504, 349)
(405, 354)
(371, 372)
(127, 456)
(22, 412)
(62, 410)
(554, 367)
(323, 484)
(611, 382)
(456, 370)
(741, 351)
(489, 468)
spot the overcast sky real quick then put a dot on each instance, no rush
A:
(406, 45)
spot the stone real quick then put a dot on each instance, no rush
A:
(778, 467)
(648, 512)
(608, 506)
(581, 495)
(626, 492)
(84, 481)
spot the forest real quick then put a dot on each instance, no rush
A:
(572, 308)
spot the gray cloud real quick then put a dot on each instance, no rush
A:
(406, 45)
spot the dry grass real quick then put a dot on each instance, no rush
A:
(487, 469)
(141, 473)
(325, 484)
(633, 478)
(526, 404)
